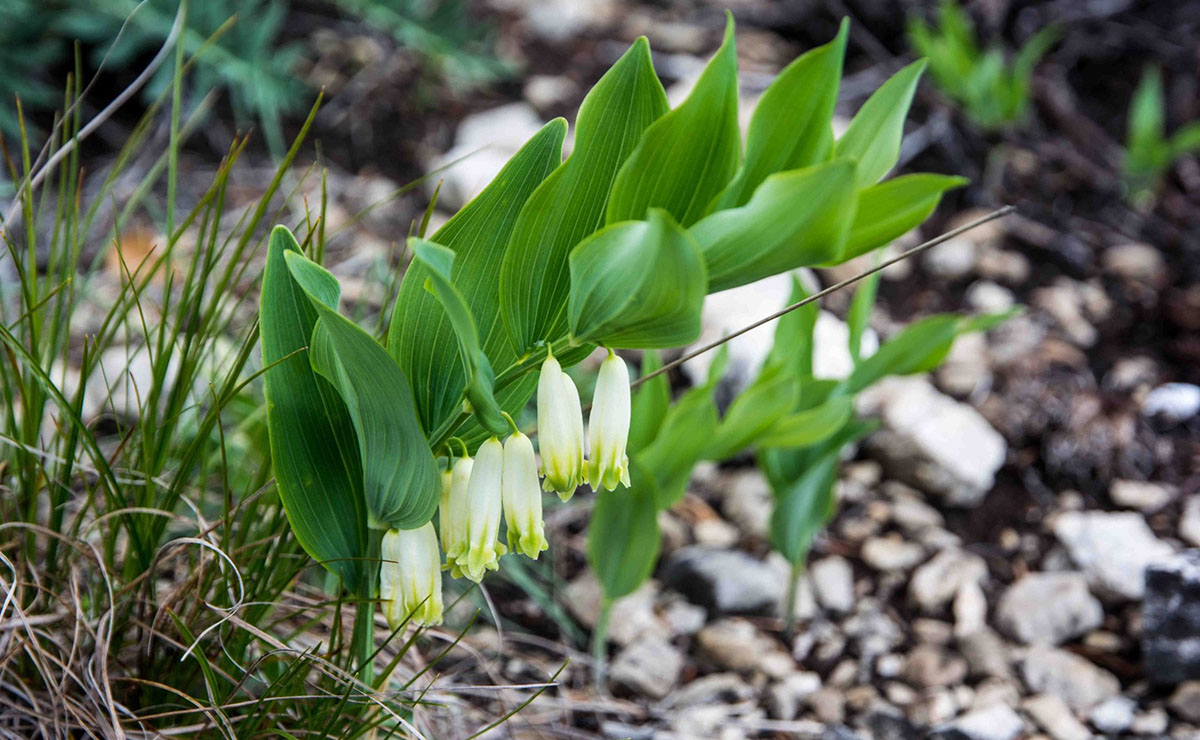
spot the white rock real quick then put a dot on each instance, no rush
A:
(989, 297)
(996, 722)
(952, 259)
(1174, 402)
(1144, 496)
(1064, 301)
(1189, 522)
(785, 698)
(632, 616)
(748, 502)
(1080, 683)
(484, 142)
(936, 582)
(1113, 715)
(948, 447)
(833, 583)
(650, 666)
(1113, 549)
(966, 367)
(1150, 722)
(558, 21)
(1140, 262)
(1049, 608)
(1055, 717)
(546, 91)
(891, 553)
(970, 609)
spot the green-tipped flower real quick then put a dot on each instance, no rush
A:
(410, 576)
(484, 509)
(560, 430)
(522, 498)
(608, 426)
(453, 515)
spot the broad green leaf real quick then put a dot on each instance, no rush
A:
(873, 137)
(686, 157)
(790, 128)
(795, 219)
(753, 412)
(858, 318)
(570, 204)
(649, 404)
(480, 379)
(420, 336)
(686, 432)
(803, 508)
(792, 347)
(637, 285)
(890, 209)
(811, 426)
(401, 486)
(920, 347)
(313, 448)
(1186, 140)
(623, 537)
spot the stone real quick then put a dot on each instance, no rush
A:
(1048, 608)
(631, 617)
(936, 443)
(559, 21)
(724, 581)
(833, 584)
(682, 617)
(933, 707)
(970, 609)
(872, 631)
(1080, 683)
(785, 697)
(737, 645)
(550, 91)
(1054, 716)
(966, 367)
(1064, 302)
(892, 553)
(952, 259)
(1113, 715)
(715, 688)
(1171, 620)
(747, 502)
(929, 666)
(1138, 262)
(1145, 496)
(989, 297)
(1005, 265)
(985, 653)
(937, 581)
(828, 705)
(888, 726)
(1150, 722)
(1173, 402)
(483, 144)
(997, 722)
(1112, 548)
(649, 666)
(1185, 701)
(1189, 520)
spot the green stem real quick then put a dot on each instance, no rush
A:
(789, 607)
(600, 644)
(364, 614)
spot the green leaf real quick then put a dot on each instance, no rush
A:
(313, 449)
(686, 432)
(637, 285)
(894, 207)
(623, 537)
(420, 336)
(1145, 140)
(858, 318)
(792, 347)
(795, 219)
(649, 403)
(811, 426)
(686, 157)
(401, 486)
(790, 128)
(480, 378)
(803, 508)
(1186, 140)
(570, 204)
(772, 394)
(873, 137)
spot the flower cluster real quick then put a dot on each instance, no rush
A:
(502, 480)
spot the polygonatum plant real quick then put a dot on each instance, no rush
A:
(613, 247)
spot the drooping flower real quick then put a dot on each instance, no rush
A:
(608, 426)
(522, 498)
(410, 576)
(453, 515)
(560, 430)
(444, 509)
(484, 510)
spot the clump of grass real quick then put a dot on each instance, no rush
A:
(149, 584)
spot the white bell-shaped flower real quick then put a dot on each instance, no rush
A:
(560, 430)
(410, 576)
(608, 426)
(522, 498)
(444, 509)
(453, 515)
(483, 514)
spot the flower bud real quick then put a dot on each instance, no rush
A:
(453, 515)
(410, 576)
(608, 426)
(484, 509)
(560, 430)
(522, 498)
